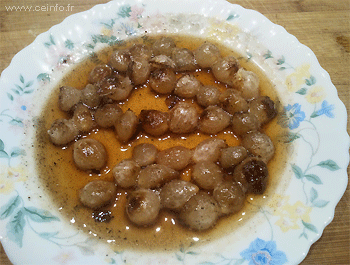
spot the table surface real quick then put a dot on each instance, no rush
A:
(322, 25)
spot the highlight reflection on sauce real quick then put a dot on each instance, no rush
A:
(64, 180)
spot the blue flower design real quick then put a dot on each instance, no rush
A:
(128, 29)
(262, 252)
(326, 109)
(292, 116)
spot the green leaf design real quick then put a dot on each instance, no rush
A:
(17, 122)
(303, 235)
(90, 46)
(69, 44)
(297, 171)
(16, 91)
(109, 26)
(320, 203)
(15, 228)
(302, 91)
(43, 77)
(94, 58)
(281, 61)
(249, 56)
(313, 195)
(282, 68)
(179, 257)
(19, 87)
(288, 137)
(268, 55)
(313, 178)
(2, 145)
(329, 164)
(3, 154)
(113, 41)
(40, 216)
(86, 251)
(17, 152)
(7, 209)
(52, 41)
(47, 235)
(314, 115)
(207, 263)
(29, 91)
(10, 96)
(192, 253)
(310, 81)
(239, 262)
(309, 226)
(99, 38)
(313, 79)
(124, 11)
(21, 78)
(232, 16)
(30, 83)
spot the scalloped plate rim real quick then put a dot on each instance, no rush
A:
(339, 103)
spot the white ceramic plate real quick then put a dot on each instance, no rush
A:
(288, 224)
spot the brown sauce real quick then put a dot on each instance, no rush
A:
(63, 180)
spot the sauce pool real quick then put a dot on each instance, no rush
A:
(63, 180)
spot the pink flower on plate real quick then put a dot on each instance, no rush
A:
(153, 23)
(9, 176)
(278, 203)
(106, 31)
(295, 80)
(58, 56)
(6, 186)
(136, 13)
(21, 117)
(22, 108)
(65, 257)
(221, 30)
(300, 211)
(287, 223)
(316, 94)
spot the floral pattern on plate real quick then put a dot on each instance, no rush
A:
(308, 102)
